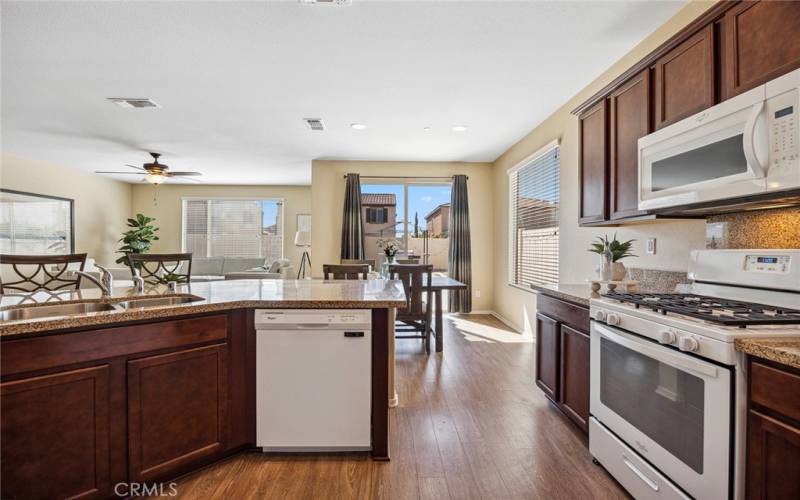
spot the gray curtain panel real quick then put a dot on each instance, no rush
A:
(352, 223)
(460, 254)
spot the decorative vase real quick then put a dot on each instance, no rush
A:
(606, 266)
(618, 271)
(385, 266)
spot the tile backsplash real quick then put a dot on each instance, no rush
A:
(776, 228)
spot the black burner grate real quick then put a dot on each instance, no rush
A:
(712, 309)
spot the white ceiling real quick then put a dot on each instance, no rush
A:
(235, 79)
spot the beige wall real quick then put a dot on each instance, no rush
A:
(327, 192)
(674, 239)
(167, 211)
(102, 205)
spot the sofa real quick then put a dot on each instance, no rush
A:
(219, 268)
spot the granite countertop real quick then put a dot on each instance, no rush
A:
(780, 350)
(215, 295)
(579, 293)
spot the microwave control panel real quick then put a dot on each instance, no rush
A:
(767, 263)
(784, 155)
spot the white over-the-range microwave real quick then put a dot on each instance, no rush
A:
(747, 145)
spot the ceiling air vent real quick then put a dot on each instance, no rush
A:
(314, 123)
(327, 2)
(127, 102)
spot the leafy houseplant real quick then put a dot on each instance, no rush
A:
(138, 239)
(612, 251)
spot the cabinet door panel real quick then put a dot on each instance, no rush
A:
(685, 79)
(630, 120)
(574, 399)
(547, 347)
(773, 459)
(594, 164)
(55, 435)
(176, 410)
(762, 42)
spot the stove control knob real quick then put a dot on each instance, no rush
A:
(600, 315)
(688, 344)
(612, 319)
(667, 337)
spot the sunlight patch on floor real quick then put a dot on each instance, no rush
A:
(474, 331)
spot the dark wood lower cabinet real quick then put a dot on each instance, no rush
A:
(773, 432)
(574, 399)
(176, 410)
(547, 346)
(562, 356)
(55, 435)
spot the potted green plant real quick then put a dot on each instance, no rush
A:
(173, 280)
(138, 239)
(612, 252)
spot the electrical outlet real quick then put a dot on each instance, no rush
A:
(477, 294)
(651, 246)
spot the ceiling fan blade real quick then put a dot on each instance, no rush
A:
(172, 174)
(121, 173)
(134, 166)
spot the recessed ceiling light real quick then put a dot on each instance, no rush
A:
(459, 128)
(426, 129)
(358, 126)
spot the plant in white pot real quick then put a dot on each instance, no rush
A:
(611, 253)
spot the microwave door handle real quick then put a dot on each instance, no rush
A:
(749, 143)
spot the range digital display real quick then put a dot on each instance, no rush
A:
(784, 112)
(767, 260)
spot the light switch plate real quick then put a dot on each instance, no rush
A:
(651, 246)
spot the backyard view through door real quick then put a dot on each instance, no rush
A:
(417, 215)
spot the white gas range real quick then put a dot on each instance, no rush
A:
(668, 388)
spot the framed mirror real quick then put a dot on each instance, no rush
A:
(35, 224)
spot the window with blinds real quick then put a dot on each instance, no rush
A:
(35, 225)
(533, 219)
(250, 228)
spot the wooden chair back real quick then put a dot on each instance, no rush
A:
(345, 272)
(410, 260)
(155, 267)
(41, 272)
(416, 280)
(368, 262)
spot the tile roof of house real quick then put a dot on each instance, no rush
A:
(437, 209)
(383, 199)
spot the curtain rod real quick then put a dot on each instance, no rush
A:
(404, 177)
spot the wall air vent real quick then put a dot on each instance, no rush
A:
(314, 123)
(327, 2)
(127, 102)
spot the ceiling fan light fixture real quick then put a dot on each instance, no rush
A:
(155, 178)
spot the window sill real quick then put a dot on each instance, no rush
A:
(523, 288)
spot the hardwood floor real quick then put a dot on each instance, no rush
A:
(471, 424)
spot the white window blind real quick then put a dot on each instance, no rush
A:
(34, 225)
(233, 228)
(533, 219)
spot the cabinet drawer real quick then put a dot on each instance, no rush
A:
(775, 389)
(573, 315)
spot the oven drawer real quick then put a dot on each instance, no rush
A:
(641, 480)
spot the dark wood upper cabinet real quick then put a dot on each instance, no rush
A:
(574, 400)
(630, 120)
(176, 411)
(55, 435)
(547, 347)
(593, 164)
(762, 42)
(684, 79)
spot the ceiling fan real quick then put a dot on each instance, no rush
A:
(154, 173)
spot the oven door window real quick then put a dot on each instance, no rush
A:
(661, 401)
(723, 158)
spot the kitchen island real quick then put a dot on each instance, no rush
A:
(145, 390)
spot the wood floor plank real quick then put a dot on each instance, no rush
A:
(471, 425)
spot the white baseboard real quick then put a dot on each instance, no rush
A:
(507, 322)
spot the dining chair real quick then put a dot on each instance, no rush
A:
(369, 262)
(154, 268)
(415, 320)
(410, 260)
(30, 273)
(345, 271)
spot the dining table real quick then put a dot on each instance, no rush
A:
(438, 285)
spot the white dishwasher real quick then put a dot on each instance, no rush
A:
(313, 379)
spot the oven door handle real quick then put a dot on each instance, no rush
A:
(681, 361)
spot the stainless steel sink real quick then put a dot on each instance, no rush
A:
(54, 310)
(158, 301)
